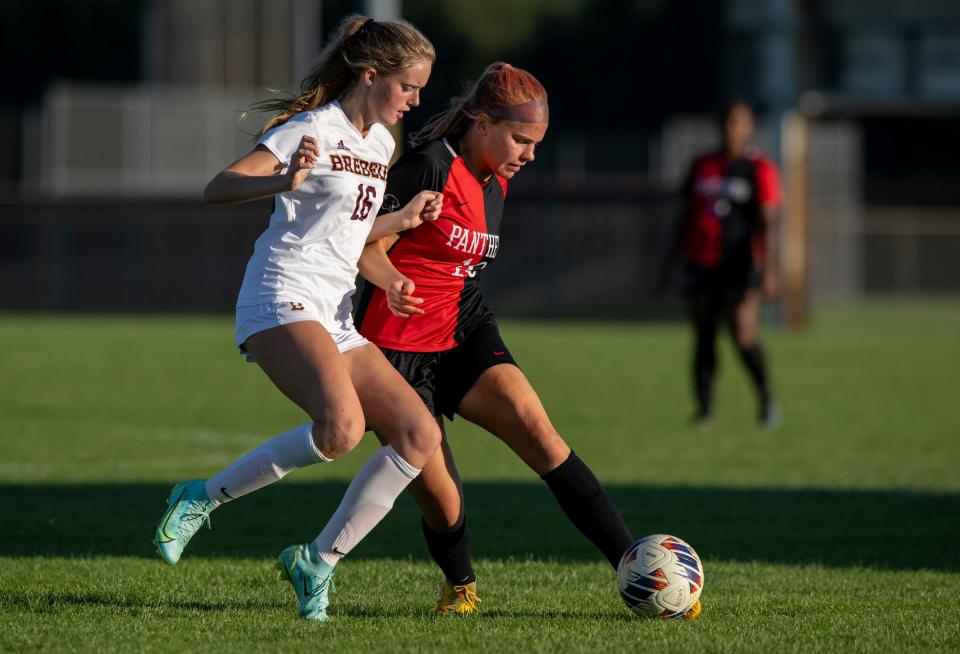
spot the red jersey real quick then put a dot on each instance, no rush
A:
(724, 198)
(443, 258)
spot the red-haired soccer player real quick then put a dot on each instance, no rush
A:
(425, 309)
(728, 240)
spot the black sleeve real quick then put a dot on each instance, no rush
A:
(413, 173)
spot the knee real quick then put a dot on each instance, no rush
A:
(338, 435)
(415, 437)
(424, 435)
(546, 449)
(554, 453)
(745, 333)
(745, 340)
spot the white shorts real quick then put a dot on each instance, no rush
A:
(260, 317)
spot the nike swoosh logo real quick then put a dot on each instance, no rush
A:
(336, 551)
(166, 519)
(460, 204)
(306, 591)
(498, 354)
(223, 489)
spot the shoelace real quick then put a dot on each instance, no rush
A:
(320, 584)
(470, 599)
(188, 523)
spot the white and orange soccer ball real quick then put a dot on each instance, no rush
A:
(660, 576)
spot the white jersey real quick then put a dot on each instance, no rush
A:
(317, 232)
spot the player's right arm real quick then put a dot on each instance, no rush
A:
(261, 174)
(376, 268)
(425, 206)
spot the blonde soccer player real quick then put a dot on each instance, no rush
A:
(323, 158)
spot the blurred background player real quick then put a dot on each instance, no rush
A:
(425, 309)
(324, 158)
(728, 242)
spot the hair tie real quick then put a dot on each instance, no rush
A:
(367, 24)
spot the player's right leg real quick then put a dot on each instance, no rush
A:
(704, 314)
(304, 363)
(503, 402)
(437, 490)
(393, 409)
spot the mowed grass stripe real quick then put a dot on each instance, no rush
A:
(837, 533)
(124, 604)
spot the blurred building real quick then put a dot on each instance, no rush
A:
(860, 104)
(202, 64)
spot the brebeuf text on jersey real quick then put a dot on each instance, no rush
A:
(357, 166)
(472, 242)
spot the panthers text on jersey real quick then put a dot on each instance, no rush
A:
(443, 258)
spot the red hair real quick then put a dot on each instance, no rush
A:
(502, 93)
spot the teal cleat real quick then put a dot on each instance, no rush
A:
(311, 580)
(188, 507)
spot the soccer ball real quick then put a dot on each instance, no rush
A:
(660, 576)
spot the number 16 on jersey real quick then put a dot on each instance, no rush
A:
(365, 198)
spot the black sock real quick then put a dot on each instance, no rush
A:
(589, 508)
(451, 551)
(754, 361)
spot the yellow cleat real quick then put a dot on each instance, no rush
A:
(458, 599)
(694, 611)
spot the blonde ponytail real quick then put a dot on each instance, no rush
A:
(358, 43)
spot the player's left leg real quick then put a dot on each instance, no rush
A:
(437, 489)
(393, 409)
(745, 329)
(705, 316)
(504, 403)
(439, 496)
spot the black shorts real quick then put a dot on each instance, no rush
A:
(731, 279)
(442, 379)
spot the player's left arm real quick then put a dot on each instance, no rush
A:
(770, 200)
(771, 269)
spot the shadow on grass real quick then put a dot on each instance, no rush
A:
(43, 600)
(352, 610)
(895, 530)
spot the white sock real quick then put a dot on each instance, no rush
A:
(368, 499)
(267, 463)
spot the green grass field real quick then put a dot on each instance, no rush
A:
(839, 532)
